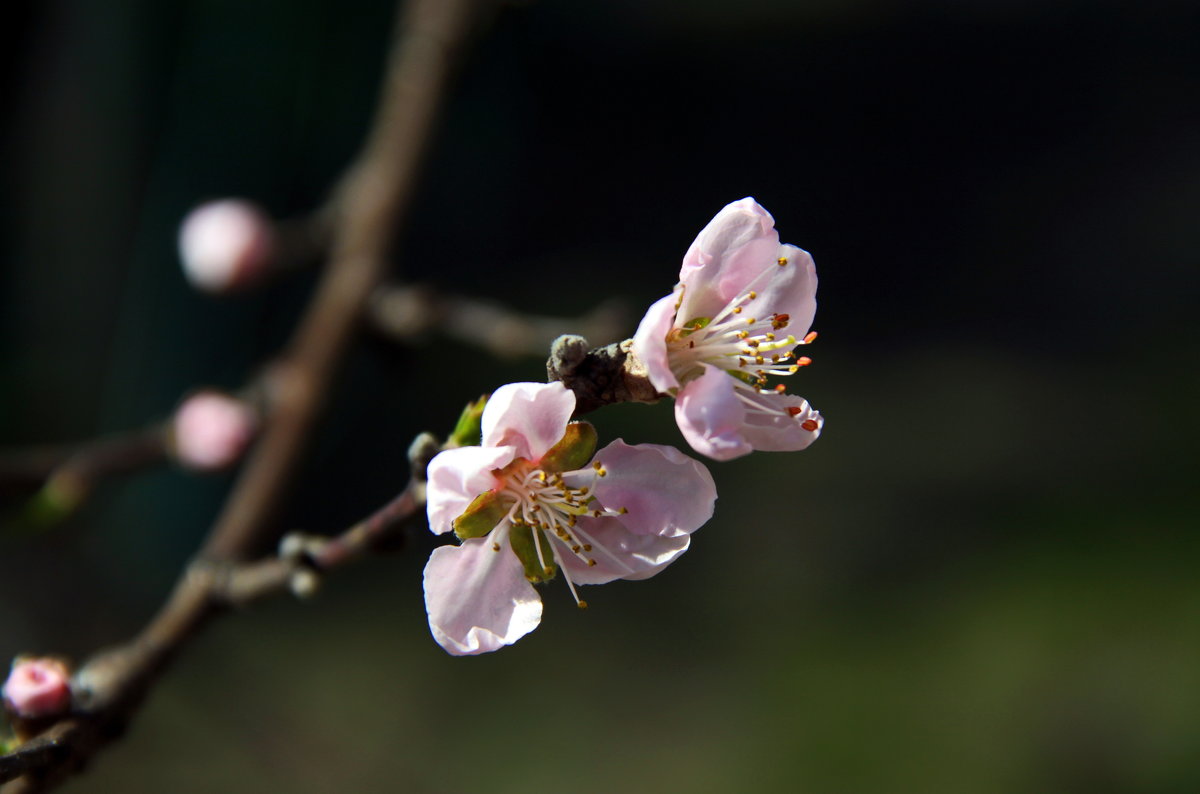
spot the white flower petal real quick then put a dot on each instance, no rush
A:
(771, 428)
(728, 255)
(650, 343)
(711, 416)
(477, 599)
(531, 417)
(456, 477)
(789, 289)
(619, 553)
(664, 491)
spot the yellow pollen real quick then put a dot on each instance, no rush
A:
(737, 310)
(743, 334)
(495, 547)
(583, 604)
(624, 510)
(759, 360)
(752, 295)
(548, 570)
(587, 547)
(770, 337)
(576, 548)
(751, 320)
(591, 563)
(781, 261)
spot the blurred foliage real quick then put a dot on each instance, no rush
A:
(982, 578)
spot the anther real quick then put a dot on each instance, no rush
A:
(780, 388)
(794, 410)
(752, 295)
(582, 604)
(737, 310)
(803, 361)
(495, 547)
(781, 261)
(809, 424)
(810, 337)
(780, 321)
(591, 563)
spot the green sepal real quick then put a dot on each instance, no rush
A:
(693, 325)
(573, 451)
(468, 431)
(521, 540)
(482, 515)
(743, 376)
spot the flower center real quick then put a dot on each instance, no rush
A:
(751, 349)
(543, 519)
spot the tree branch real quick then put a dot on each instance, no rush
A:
(366, 207)
(367, 204)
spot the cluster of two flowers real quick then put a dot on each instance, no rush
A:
(535, 500)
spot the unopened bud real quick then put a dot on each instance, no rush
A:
(37, 688)
(212, 430)
(226, 245)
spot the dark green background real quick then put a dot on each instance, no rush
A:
(981, 579)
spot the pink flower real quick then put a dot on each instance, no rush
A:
(226, 245)
(212, 430)
(728, 327)
(528, 504)
(37, 688)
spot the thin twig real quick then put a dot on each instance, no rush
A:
(368, 205)
(69, 472)
(407, 312)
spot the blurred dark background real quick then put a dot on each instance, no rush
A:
(981, 579)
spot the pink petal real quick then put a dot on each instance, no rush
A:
(711, 416)
(666, 492)
(790, 289)
(650, 342)
(478, 599)
(457, 476)
(728, 255)
(529, 416)
(628, 556)
(771, 429)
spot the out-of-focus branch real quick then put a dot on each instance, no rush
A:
(110, 685)
(367, 207)
(408, 312)
(67, 474)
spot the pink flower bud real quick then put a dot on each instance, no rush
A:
(212, 430)
(38, 688)
(226, 245)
